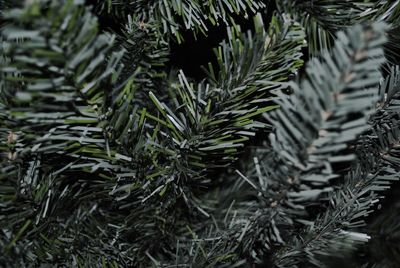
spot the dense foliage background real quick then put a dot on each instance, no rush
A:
(200, 133)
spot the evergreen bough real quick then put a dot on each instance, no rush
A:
(111, 157)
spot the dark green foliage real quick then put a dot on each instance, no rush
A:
(321, 18)
(176, 15)
(110, 157)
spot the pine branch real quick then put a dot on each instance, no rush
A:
(108, 160)
(350, 76)
(260, 78)
(175, 16)
(87, 142)
(318, 123)
(376, 168)
(347, 76)
(321, 19)
(146, 49)
(54, 81)
(209, 124)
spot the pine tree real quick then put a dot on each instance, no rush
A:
(279, 156)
